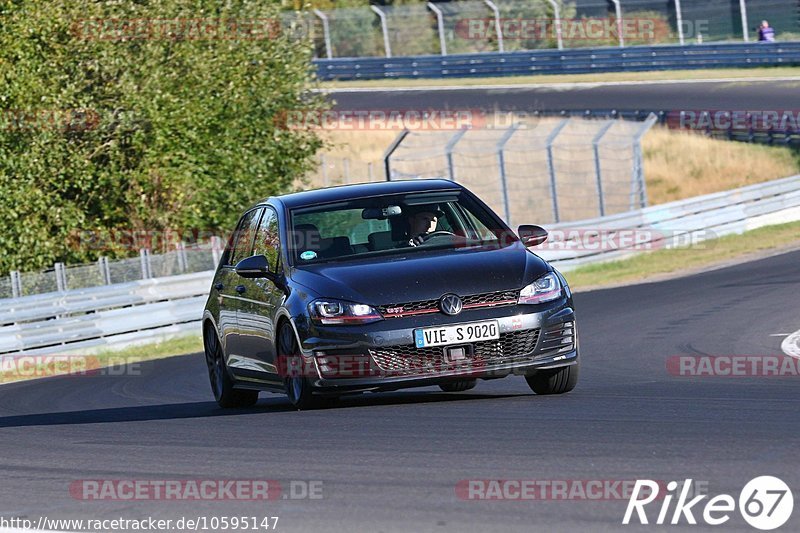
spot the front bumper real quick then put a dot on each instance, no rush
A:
(382, 356)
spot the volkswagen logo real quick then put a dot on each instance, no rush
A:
(450, 304)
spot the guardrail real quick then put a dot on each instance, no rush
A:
(145, 310)
(673, 224)
(574, 61)
(65, 321)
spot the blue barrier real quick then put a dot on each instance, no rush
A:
(573, 61)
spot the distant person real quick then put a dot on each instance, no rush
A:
(766, 33)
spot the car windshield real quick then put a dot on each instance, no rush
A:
(398, 224)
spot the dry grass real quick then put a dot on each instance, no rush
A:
(680, 165)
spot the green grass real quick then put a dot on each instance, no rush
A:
(708, 254)
(93, 361)
(744, 74)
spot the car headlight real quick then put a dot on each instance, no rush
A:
(337, 312)
(545, 289)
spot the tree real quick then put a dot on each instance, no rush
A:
(156, 115)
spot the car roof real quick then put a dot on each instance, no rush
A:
(363, 190)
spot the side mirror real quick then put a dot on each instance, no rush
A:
(256, 266)
(532, 235)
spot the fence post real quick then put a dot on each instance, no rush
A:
(448, 152)
(597, 171)
(387, 47)
(620, 25)
(745, 30)
(323, 163)
(557, 17)
(144, 259)
(326, 32)
(501, 161)
(679, 21)
(638, 163)
(497, 27)
(440, 23)
(551, 168)
(16, 284)
(389, 151)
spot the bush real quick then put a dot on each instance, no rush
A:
(106, 126)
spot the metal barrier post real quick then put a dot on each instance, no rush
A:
(326, 32)
(497, 27)
(105, 271)
(501, 162)
(597, 171)
(182, 260)
(61, 278)
(216, 250)
(551, 168)
(389, 151)
(448, 151)
(557, 17)
(387, 47)
(620, 25)
(440, 23)
(16, 284)
(679, 21)
(144, 258)
(745, 30)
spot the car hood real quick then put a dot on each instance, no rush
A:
(423, 275)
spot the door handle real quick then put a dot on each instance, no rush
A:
(219, 286)
(240, 289)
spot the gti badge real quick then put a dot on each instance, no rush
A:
(450, 304)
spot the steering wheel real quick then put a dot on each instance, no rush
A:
(438, 233)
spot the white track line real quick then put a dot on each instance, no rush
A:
(556, 86)
(791, 345)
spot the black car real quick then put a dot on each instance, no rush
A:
(379, 287)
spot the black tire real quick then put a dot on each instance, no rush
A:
(555, 381)
(221, 382)
(458, 386)
(298, 387)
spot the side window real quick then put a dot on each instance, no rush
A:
(244, 236)
(268, 240)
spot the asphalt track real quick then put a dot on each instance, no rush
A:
(391, 462)
(745, 95)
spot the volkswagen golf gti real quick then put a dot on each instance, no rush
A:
(379, 287)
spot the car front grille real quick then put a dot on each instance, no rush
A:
(408, 359)
(474, 301)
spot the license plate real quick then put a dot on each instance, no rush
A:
(460, 333)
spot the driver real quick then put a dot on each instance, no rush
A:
(422, 222)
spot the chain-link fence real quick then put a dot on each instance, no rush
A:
(553, 170)
(475, 26)
(182, 260)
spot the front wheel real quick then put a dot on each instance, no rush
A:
(554, 381)
(221, 382)
(298, 387)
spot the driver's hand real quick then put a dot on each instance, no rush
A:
(416, 241)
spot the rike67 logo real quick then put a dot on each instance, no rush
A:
(765, 503)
